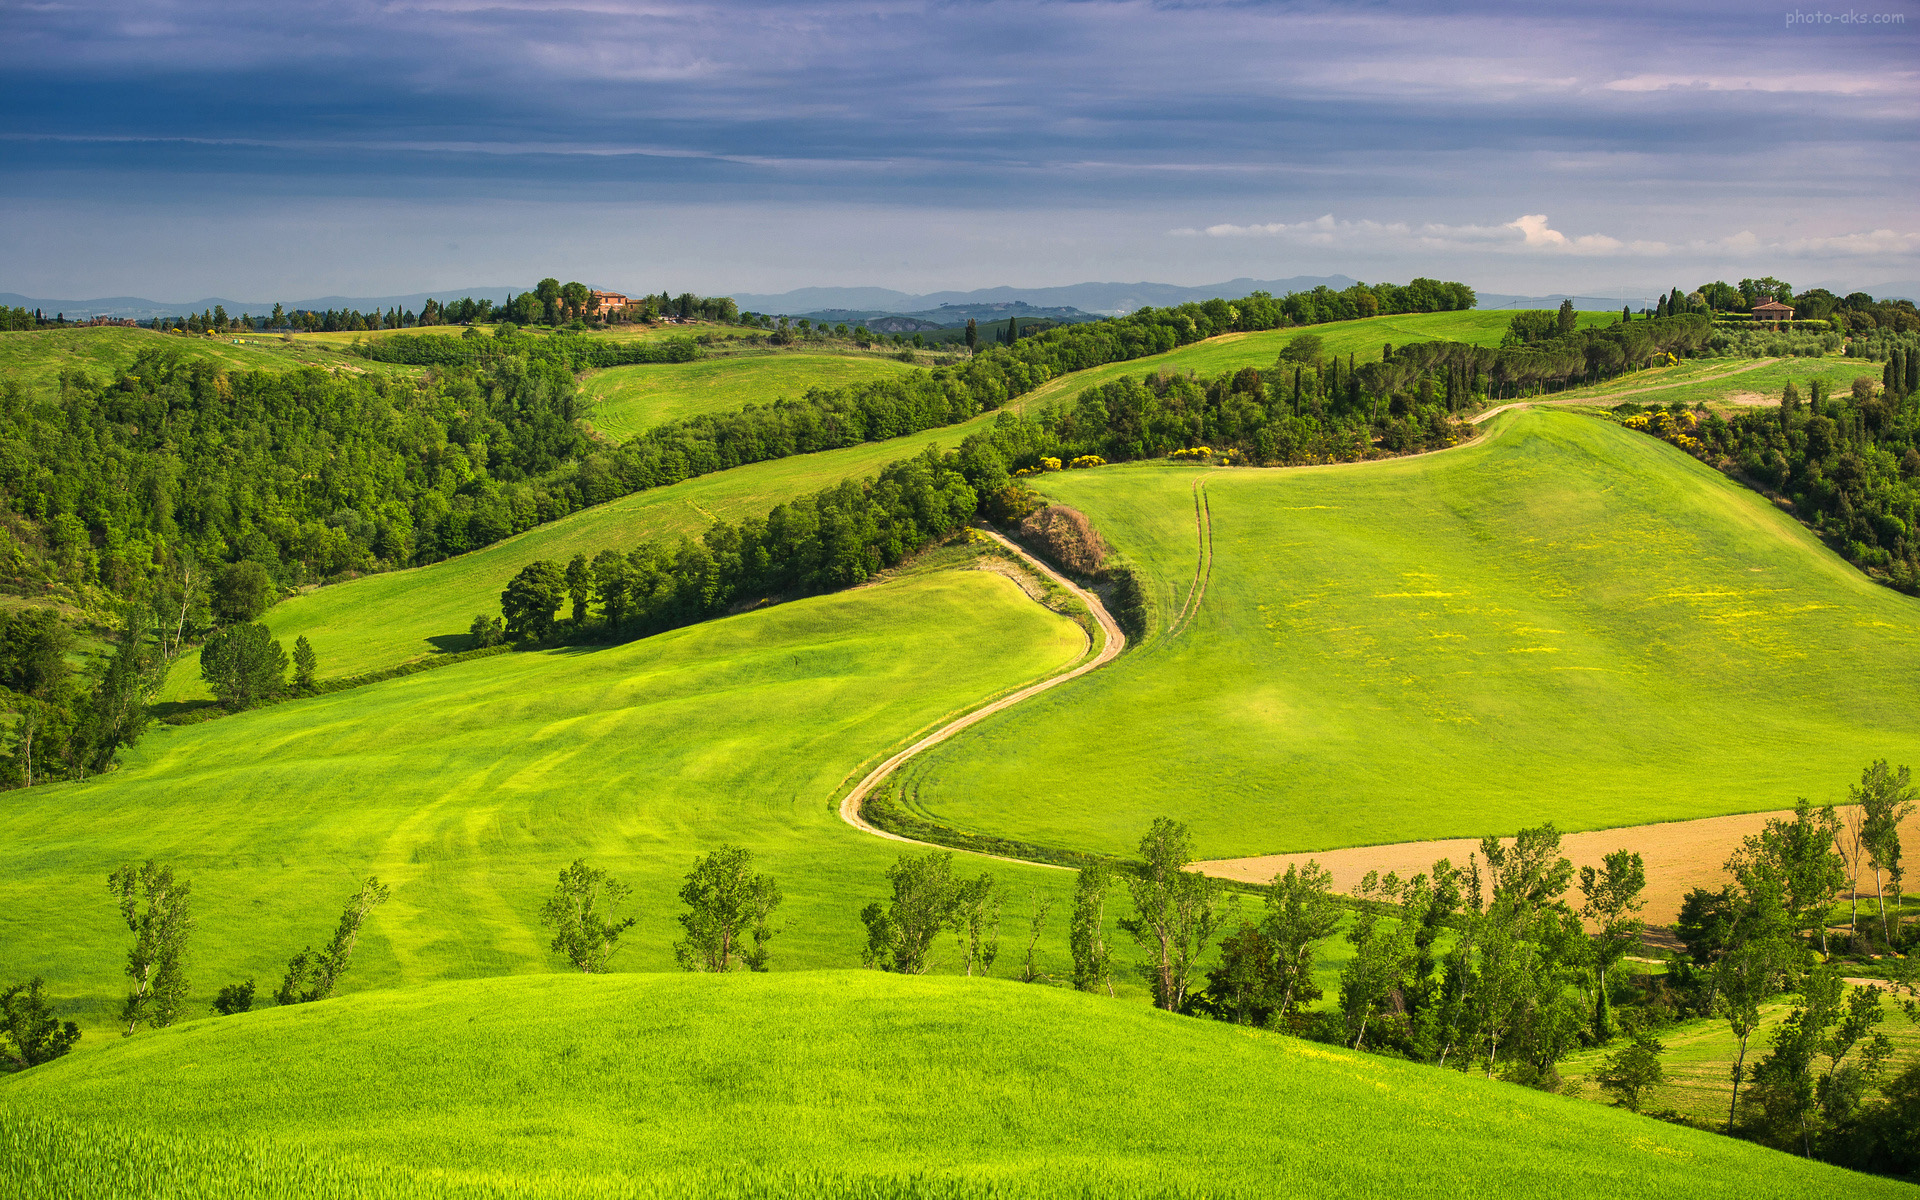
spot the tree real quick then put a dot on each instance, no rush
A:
(1629, 1072)
(531, 600)
(579, 587)
(234, 998)
(900, 932)
(486, 631)
(29, 1032)
(973, 336)
(1748, 975)
(241, 592)
(1036, 925)
(547, 291)
(1799, 861)
(575, 297)
(1087, 933)
(975, 920)
(581, 914)
(313, 975)
(1563, 321)
(157, 961)
(612, 586)
(304, 666)
(1885, 798)
(244, 665)
(726, 904)
(1301, 913)
(1175, 912)
(114, 714)
(1612, 897)
(1383, 953)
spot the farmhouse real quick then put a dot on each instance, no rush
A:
(606, 301)
(1773, 310)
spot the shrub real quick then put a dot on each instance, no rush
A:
(1067, 537)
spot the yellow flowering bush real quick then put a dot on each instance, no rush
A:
(1191, 455)
(1085, 460)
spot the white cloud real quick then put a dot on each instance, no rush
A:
(1533, 234)
(1832, 84)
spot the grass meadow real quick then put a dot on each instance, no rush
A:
(1364, 339)
(628, 400)
(1564, 621)
(1699, 1058)
(1694, 381)
(469, 788)
(36, 357)
(897, 1086)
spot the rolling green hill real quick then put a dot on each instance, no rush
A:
(817, 1084)
(36, 357)
(1565, 621)
(468, 788)
(380, 621)
(1363, 339)
(627, 400)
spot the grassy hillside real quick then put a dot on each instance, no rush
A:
(979, 1084)
(1720, 381)
(1363, 339)
(468, 789)
(36, 357)
(1700, 1053)
(1564, 621)
(380, 621)
(627, 400)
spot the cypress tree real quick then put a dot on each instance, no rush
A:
(1660, 309)
(1626, 314)
(1913, 373)
(1013, 330)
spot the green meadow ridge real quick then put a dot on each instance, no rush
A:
(1471, 641)
(853, 1083)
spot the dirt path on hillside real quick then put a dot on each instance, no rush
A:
(1679, 856)
(1658, 387)
(1115, 642)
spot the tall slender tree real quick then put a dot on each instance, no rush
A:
(157, 912)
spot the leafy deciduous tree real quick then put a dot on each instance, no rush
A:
(580, 913)
(726, 904)
(157, 961)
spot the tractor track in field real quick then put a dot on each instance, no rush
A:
(1203, 565)
(1115, 642)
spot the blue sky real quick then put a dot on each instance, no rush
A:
(174, 150)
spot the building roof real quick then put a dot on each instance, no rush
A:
(1773, 306)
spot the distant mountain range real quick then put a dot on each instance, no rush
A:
(1078, 301)
(1100, 299)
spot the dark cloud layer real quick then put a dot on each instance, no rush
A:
(1069, 138)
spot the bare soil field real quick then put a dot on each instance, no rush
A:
(1679, 855)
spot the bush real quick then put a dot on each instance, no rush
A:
(1067, 537)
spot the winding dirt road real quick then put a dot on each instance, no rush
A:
(1115, 642)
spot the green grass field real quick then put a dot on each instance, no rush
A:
(1363, 339)
(1565, 621)
(1717, 381)
(981, 1087)
(627, 400)
(383, 620)
(36, 357)
(468, 788)
(1699, 1057)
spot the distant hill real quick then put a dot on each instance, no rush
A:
(1103, 299)
(947, 316)
(141, 309)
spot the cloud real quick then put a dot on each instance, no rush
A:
(1533, 234)
(1526, 234)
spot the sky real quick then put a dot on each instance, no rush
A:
(264, 150)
